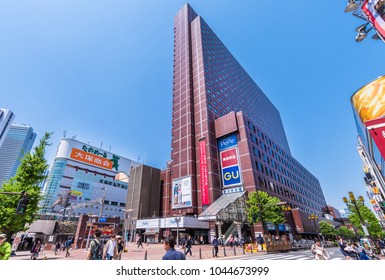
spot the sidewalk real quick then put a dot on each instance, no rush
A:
(149, 252)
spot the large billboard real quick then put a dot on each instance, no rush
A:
(376, 129)
(369, 101)
(181, 193)
(375, 10)
(231, 171)
(87, 154)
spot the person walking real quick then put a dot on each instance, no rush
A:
(35, 249)
(341, 243)
(188, 245)
(319, 251)
(68, 246)
(171, 253)
(140, 241)
(215, 246)
(95, 251)
(57, 248)
(120, 245)
(111, 248)
(5, 247)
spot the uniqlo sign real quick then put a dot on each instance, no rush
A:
(376, 129)
(229, 157)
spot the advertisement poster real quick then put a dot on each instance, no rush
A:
(375, 10)
(181, 193)
(376, 129)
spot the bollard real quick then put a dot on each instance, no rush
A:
(243, 250)
(200, 253)
(251, 248)
(212, 251)
(145, 255)
(224, 251)
(235, 252)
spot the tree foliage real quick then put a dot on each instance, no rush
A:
(30, 174)
(368, 217)
(345, 232)
(327, 229)
(262, 207)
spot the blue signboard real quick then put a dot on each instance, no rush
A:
(227, 142)
(270, 226)
(231, 176)
(281, 227)
(102, 220)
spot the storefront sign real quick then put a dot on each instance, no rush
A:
(203, 173)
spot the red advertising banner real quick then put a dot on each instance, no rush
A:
(376, 129)
(203, 173)
(229, 157)
(375, 10)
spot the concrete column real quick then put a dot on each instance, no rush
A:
(219, 225)
(239, 228)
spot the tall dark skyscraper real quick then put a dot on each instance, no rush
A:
(227, 137)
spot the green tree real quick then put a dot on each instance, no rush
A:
(29, 175)
(368, 217)
(327, 229)
(345, 232)
(262, 208)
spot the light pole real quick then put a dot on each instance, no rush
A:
(314, 218)
(353, 201)
(127, 222)
(177, 220)
(91, 220)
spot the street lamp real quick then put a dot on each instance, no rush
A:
(353, 201)
(127, 222)
(91, 220)
(314, 218)
(177, 220)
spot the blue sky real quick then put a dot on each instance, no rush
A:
(102, 70)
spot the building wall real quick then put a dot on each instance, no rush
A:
(209, 84)
(144, 195)
(6, 119)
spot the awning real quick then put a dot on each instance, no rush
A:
(227, 207)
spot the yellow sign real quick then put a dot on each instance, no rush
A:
(369, 101)
(77, 193)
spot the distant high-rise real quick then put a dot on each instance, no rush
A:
(6, 119)
(18, 142)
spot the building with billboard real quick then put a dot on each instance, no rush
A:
(18, 142)
(227, 139)
(86, 180)
(368, 105)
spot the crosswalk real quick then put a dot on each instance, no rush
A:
(295, 255)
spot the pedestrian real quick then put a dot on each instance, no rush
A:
(111, 248)
(381, 245)
(95, 251)
(5, 247)
(35, 249)
(120, 244)
(188, 245)
(57, 248)
(367, 250)
(68, 246)
(342, 245)
(352, 251)
(171, 253)
(140, 241)
(215, 246)
(231, 241)
(201, 240)
(319, 251)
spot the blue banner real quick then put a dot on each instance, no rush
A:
(231, 176)
(227, 142)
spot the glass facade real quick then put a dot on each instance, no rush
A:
(18, 142)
